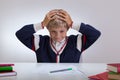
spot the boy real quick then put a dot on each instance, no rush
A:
(58, 47)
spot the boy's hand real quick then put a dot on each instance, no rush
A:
(48, 17)
(65, 17)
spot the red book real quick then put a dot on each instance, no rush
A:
(1, 65)
(100, 76)
(115, 67)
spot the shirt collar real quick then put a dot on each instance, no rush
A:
(62, 41)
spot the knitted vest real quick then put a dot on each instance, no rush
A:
(70, 53)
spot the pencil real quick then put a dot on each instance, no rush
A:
(61, 70)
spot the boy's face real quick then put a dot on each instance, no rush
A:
(57, 34)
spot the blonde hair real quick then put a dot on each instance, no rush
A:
(57, 23)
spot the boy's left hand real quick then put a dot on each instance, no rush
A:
(66, 17)
(48, 17)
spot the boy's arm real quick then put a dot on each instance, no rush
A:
(89, 35)
(25, 34)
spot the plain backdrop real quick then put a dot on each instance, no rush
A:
(104, 15)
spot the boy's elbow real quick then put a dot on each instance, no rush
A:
(17, 34)
(99, 33)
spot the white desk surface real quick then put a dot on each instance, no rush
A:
(41, 71)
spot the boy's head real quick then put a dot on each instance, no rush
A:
(57, 28)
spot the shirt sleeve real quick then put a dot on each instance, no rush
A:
(76, 26)
(37, 26)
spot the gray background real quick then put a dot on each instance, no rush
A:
(102, 14)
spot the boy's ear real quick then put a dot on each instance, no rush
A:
(47, 27)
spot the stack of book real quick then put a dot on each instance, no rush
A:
(113, 71)
(100, 76)
(7, 70)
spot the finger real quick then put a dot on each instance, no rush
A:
(63, 19)
(63, 12)
(53, 11)
(60, 15)
(50, 15)
(66, 16)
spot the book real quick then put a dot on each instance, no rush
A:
(6, 65)
(100, 76)
(115, 67)
(6, 68)
(113, 75)
(5, 74)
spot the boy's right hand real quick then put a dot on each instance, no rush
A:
(48, 17)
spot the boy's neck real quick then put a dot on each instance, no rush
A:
(63, 40)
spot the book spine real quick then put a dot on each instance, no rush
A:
(6, 68)
(3, 65)
(114, 73)
(5, 74)
(113, 77)
(118, 69)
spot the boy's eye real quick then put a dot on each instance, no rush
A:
(61, 31)
(53, 32)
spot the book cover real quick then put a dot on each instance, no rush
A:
(115, 67)
(100, 76)
(6, 68)
(5, 74)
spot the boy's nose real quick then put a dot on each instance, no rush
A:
(57, 34)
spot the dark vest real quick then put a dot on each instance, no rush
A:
(70, 53)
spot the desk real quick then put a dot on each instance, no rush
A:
(41, 71)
